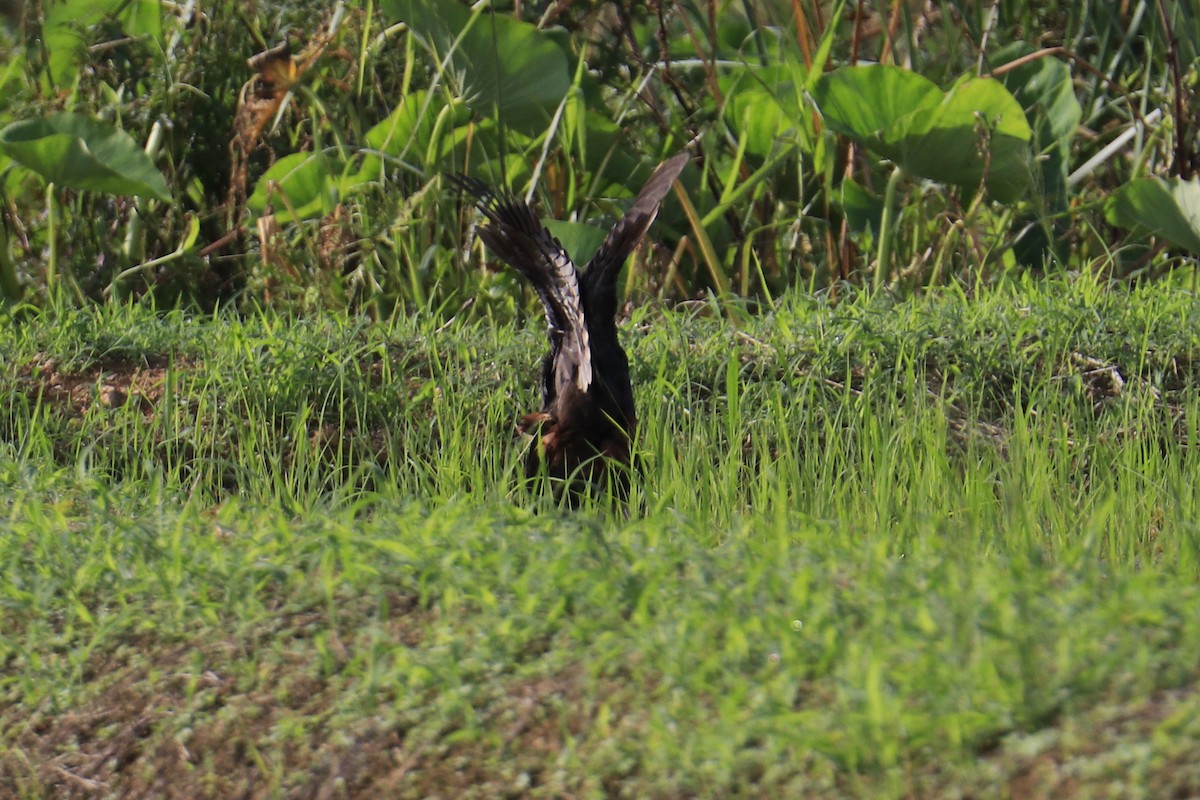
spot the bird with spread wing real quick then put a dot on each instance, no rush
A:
(587, 419)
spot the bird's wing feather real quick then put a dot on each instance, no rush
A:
(516, 235)
(600, 277)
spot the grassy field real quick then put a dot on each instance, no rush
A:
(944, 547)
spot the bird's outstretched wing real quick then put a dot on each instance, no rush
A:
(517, 236)
(600, 277)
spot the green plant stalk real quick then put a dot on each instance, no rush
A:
(731, 177)
(886, 224)
(747, 247)
(53, 282)
(10, 287)
(410, 53)
(363, 47)
(134, 246)
(935, 275)
(439, 127)
(52, 257)
(762, 278)
(744, 187)
(707, 250)
(185, 244)
(551, 133)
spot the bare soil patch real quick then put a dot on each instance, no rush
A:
(110, 382)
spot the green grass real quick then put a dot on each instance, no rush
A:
(932, 548)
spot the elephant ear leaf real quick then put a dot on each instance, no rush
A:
(975, 131)
(81, 152)
(1166, 208)
(504, 66)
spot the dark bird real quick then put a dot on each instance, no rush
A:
(587, 418)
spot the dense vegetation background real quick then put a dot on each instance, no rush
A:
(999, 138)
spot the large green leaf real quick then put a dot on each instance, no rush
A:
(420, 130)
(864, 103)
(602, 151)
(580, 239)
(299, 186)
(1046, 90)
(62, 33)
(66, 22)
(408, 132)
(144, 18)
(503, 66)
(948, 143)
(976, 129)
(762, 106)
(863, 209)
(1166, 208)
(84, 153)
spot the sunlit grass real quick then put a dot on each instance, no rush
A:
(876, 549)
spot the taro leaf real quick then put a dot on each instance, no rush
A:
(1046, 91)
(65, 45)
(512, 171)
(932, 134)
(864, 102)
(863, 209)
(84, 153)
(299, 186)
(1166, 208)
(408, 130)
(946, 145)
(608, 159)
(12, 71)
(66, 21)
(413, 133)
(580, 239)
(504, 66)
(144, 18)
(762, 106)
(767, 102)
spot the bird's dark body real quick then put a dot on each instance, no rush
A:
(582, 434)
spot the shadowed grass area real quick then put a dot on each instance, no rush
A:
(933, 548)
